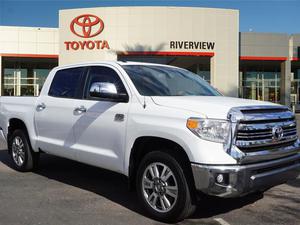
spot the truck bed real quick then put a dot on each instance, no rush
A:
(17, 107)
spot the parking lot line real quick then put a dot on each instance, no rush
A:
(221, 221)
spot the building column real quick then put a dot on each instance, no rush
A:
(285, 83)
(212, 71)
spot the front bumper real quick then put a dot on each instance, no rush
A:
(240, 180)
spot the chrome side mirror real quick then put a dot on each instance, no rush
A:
(108, 91)
(98, 88)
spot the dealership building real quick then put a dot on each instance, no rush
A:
(263, 66)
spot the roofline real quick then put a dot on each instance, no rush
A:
(112, 62)
(162, 6)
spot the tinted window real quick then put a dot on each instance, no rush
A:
(106, 75)
(66, 83)
(167, 81)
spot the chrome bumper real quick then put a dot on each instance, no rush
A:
(240, 180)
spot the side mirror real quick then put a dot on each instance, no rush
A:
(108, 91)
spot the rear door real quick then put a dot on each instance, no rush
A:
(100, 129)
(55, 115)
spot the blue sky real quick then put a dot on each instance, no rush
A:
(257, 15)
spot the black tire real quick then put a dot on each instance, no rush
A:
(182, 206)
(30, 158)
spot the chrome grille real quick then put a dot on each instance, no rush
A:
(254, 130)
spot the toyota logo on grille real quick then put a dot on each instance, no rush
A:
(277, 133)
(86, 26)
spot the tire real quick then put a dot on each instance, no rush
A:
(23, 157)
(152, 190)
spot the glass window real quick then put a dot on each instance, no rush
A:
(23, 76)
(205, 75)
(263, 86)
(40, 76)
(104, 74)
(9, 82)
(295, 85)
(201, 70)
(16, 82)
(66, 83)
(167, 81)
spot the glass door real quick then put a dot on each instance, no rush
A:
(40, 76)
(295, 85)
(17, 83)
(264, 86)
(11, 84)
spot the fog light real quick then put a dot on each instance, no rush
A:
(220, 178)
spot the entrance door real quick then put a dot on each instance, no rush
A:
(12, 81)
(18, 83)
(264, 86)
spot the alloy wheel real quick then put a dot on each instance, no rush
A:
(18, 151)
(160, 187)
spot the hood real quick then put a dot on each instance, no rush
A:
(216, 107)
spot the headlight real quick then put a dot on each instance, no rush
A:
(210, 129)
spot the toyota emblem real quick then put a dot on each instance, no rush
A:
(86, 26)
(277, 133)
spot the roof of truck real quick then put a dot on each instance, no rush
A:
(121, 63)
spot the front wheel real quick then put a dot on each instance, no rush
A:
(162, 188)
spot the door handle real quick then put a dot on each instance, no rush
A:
(80, 109)
(40, 107)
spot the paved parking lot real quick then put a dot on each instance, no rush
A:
(67, 192)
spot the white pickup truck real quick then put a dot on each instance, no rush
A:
(171, 133)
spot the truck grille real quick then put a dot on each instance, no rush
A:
(255, 131)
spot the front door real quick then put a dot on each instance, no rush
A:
(100, 128)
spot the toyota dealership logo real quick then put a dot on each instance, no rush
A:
(86, 26)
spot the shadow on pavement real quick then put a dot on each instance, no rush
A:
(294, 183)
(113, 186)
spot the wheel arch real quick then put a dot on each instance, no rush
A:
(146, 144)
(14, 124)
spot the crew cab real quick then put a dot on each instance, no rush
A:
(172, 134)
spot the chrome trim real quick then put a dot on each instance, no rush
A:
(250, 116)
(243, 179)
(80, 110)
(265, 125)
(270, 116)
(252, 139)
(3, 140)
(264, 142)
(269, 154)
(40, 107)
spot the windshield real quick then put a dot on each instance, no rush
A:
(167, 81)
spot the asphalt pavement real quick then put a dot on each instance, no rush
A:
(65, 192)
